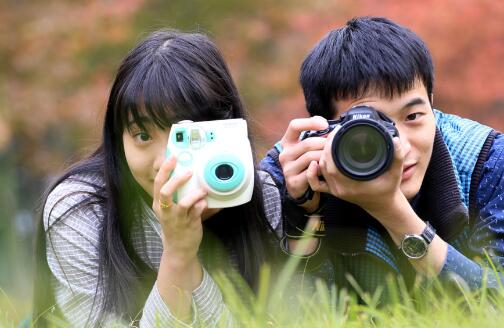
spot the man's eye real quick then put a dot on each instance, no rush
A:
(142, 137)
(413, 116)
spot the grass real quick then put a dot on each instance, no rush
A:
(426, 304)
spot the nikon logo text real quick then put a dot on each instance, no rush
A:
(360, 116)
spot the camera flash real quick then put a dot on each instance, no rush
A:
(195, 138)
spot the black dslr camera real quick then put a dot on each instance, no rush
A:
(362, 149)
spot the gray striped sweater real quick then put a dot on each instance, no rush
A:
(72, 255)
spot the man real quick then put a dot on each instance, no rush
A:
(438, 206)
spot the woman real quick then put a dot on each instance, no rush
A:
(113, 245)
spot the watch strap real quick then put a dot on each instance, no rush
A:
(295, 220)
(308, 195)
(428, 233)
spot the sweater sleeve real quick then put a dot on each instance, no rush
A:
(208, 308)
(72, 239)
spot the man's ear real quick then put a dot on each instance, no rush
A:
(431, 98)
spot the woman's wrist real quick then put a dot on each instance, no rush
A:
(177, 277)
(180, 260)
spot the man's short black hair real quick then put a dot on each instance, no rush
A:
(369, 52)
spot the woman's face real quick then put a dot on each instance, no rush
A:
(145, 151)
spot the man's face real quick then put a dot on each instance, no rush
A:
(412, 113)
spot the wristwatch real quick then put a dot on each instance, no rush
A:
(308, 195)
(416, 246)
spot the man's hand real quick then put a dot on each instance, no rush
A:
(373, 195)
(296, 155)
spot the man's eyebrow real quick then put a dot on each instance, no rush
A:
(413, 102)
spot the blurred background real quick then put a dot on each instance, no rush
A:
(58, 59)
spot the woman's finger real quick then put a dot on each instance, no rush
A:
(170, 187)
(163, 174)
(186, 203)
(196, 211)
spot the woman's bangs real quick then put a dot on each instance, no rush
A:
(148, 103)
(157, 102)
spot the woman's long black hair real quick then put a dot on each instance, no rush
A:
(169, 76)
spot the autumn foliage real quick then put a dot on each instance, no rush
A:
(58, 60)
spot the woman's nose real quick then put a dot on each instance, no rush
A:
(160, 158)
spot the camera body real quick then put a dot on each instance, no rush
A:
(362, 147)
(219, 155)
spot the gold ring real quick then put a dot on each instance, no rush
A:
(164, 205)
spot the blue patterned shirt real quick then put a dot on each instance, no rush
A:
(487, 235)
(464, 138)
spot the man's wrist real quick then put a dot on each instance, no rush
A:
(306, 197)
(296, 220)
(415, 246)
(399, 218)
(388, 213)
(312, 205)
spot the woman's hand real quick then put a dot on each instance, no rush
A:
(179, 270)
(181, 222)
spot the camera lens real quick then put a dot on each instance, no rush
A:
(362, 151)
(362, 146)
(224, 172)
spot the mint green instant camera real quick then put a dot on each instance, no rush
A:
(220, 157)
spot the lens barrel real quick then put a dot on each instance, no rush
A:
(363, 149)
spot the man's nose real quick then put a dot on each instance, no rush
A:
(405, 143)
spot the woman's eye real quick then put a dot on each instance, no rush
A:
(142, 137)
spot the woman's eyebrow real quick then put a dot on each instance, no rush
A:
(141, 121)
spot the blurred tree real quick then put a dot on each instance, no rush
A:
(58, 57)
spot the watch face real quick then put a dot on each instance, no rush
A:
(414, 247)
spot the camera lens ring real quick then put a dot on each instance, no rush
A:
(387, 148)
(233, 177)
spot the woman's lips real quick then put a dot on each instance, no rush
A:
(408, 171)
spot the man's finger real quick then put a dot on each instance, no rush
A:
(301, 164)
(297, 150)
(397, 163)
(299, 125)
(312, 174)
